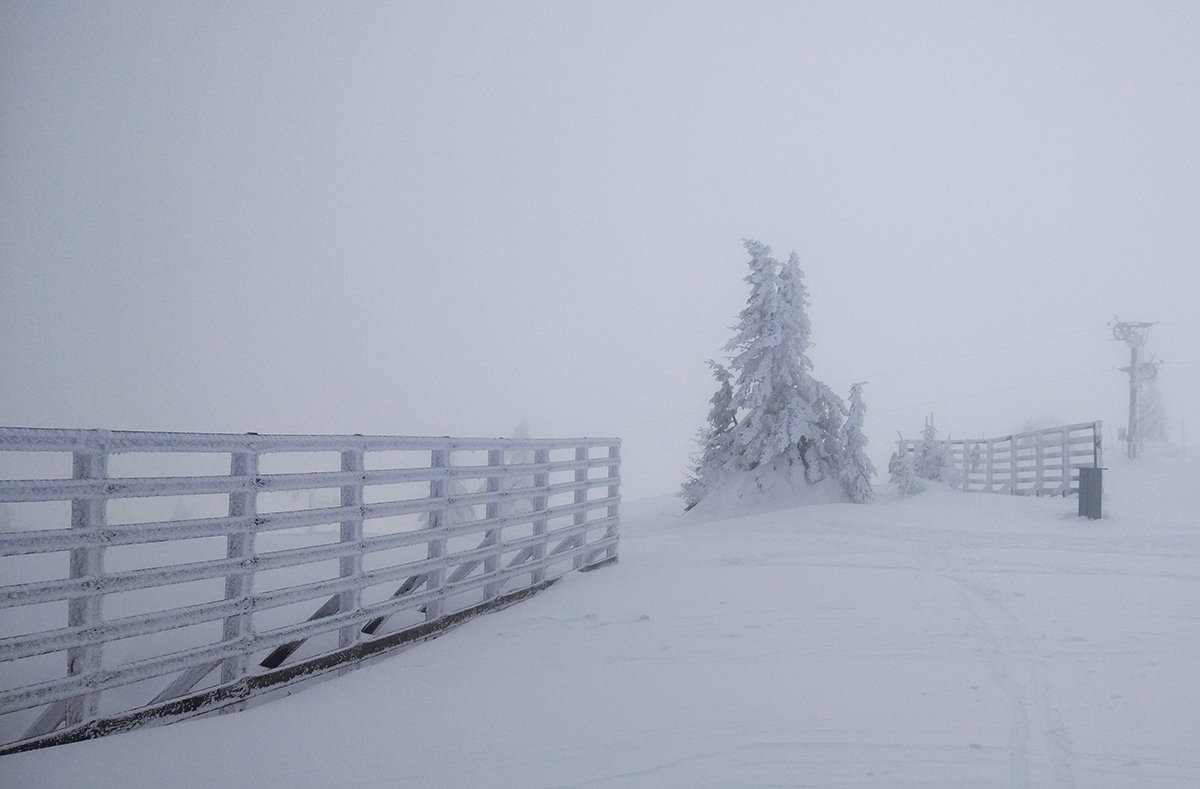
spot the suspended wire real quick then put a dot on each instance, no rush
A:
(943, 400)
(657, 449)
(981, 352)
(994, 391)
(994, 349)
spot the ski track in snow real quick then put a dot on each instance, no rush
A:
(1018, 665)
(947, 640)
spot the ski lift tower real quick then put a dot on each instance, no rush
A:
(1134, 334)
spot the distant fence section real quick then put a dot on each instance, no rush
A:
(1037, 463)
(148, 577)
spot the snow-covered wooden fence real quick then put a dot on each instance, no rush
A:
(135, 595)
(1037, 463)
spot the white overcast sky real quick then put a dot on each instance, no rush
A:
(441, 218)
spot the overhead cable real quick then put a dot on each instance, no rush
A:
(995, 391)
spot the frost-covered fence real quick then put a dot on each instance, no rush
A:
(1037, 463)
(148, 577)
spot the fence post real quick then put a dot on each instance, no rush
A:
(958, 457)
(1064, 487)
(968, 454)
(581, 516)
(991, 465)
(1040, 460)
(240, 582)
(86, 610)
(1013, 459)
(972, 461)
(352, 533)
(492, 510)
(440, 459)
(541, 481)
(614, 472)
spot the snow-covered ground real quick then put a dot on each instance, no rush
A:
(945, 640)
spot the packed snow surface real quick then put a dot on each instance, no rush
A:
(942, 640)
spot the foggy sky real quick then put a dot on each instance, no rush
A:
(441, 218)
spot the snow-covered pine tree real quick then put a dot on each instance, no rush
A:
(829, 450)
(789, 418)
(512, 482)
(858, 469)
(904, 473)
(823, 449)
(714, 440)
(788, 426)
(934, 460)
(928, 460)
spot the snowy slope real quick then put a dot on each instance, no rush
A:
(946, 640)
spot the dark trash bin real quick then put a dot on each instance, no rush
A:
(1090, 491)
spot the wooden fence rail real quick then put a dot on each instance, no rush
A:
(1037, 463)
(139, 597)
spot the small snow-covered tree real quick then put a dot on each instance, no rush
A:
(456, 488)
(827, 454)
(858, 469)
(903, 468)
(714, 439)
(512, 482)
(927, 460)
(933, 458)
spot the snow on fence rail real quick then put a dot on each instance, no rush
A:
(135, 597)
(1037, 463)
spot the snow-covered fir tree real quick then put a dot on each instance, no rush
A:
(903, 468)
(789, 425)
(515, 482)
(828, 451)
(714, 439)
(858, 469)
(934, 460)
(824, 449)
(458, 513)
(773, 389)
